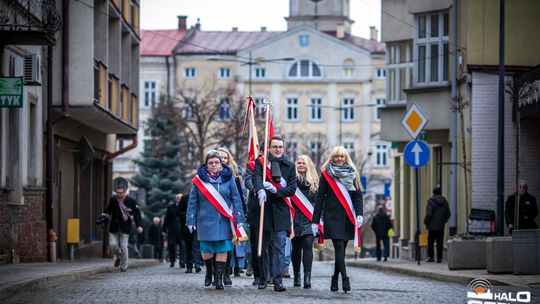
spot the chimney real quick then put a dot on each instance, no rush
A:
(182, 22)
(235, 29)
(263, 28)
(373, 33)
(198, 24)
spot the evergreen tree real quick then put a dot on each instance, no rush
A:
(161, 173)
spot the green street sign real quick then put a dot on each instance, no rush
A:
(11, 92)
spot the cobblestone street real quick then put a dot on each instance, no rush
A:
(161, 284)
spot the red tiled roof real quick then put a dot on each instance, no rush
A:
(371, 45)
(159, 42)
(223, 42)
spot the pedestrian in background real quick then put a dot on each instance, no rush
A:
(528, 210)
(187, 236)
(155, 237)
(214, 211)
(380, 225)
(121, 210)
(437, 214)
(302, 243)
(338, 196)
(172, 227)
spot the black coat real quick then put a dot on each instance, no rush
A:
(253, 208)
(437, 213)
(527, 208)
(302, 225)
(172, 224)
(184, 231)
(277, 215)
(154, 235)
(336, 223)
(380, 224)
(117, 223)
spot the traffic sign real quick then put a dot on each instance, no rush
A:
(414, 121)
(416, 153)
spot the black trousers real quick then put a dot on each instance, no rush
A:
(339, 251)
(302, 252)
(435, 235)
(386, 243)
(172, 241)
(188, 251)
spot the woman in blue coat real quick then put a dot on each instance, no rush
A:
(213, 228)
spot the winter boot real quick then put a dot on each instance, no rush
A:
(346, 284)
(227, 274)
(218, 275)
(209, 272)
(307, 279)
(297, 279)
(334, 283)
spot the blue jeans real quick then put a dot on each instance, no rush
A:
(287, 259)
(385, 242)
(274, 242)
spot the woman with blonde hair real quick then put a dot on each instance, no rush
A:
(339, 202)
(304, 202)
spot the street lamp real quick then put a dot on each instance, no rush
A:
(250, 62)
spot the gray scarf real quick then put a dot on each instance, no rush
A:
(344, 173)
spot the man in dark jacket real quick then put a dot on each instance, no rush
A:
(437, 214)
(277, 216)
(528, 210)
(121, 209)
(380, 225)
(155, 238)
(172, 225)
(186, 235)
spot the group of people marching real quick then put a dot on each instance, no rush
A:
(294, 201)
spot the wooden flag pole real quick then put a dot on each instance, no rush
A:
(267, 102)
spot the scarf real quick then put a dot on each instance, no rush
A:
(213, 175)
(274, 166)
(123, 208)
(344, 173)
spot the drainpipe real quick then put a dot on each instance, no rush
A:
(168, 77)
(453, 127)
(132, 146)
(49, 143)
(65, 62)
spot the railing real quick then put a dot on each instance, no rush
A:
(29, 15)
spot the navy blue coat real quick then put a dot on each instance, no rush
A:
(211, 225)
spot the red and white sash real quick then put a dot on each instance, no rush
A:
(215, 198)
(302, 203)
(285, 199)
(345, 200)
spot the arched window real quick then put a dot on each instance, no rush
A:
(305, 69)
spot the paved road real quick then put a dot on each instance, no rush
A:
(161, 284)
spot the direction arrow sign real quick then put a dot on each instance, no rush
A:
(416, 153)
(414, 121)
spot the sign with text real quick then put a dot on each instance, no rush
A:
(414, 121)
(11, 92)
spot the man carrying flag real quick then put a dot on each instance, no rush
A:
(275, 192)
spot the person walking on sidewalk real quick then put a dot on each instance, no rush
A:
(340, 203)
(528, 210)
(437, 214)
(155, 237)
(121, 210)
(380, 225)
(172, 227)
(215, 213)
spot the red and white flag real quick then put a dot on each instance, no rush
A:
(253, 140)
(302, 203)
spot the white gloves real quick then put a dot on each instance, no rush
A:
(359, 220)
(314, 229)
(268, 186)
(262, 196)
(192, 228)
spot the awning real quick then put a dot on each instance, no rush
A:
(100, 119)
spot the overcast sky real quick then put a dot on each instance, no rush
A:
(247, 15)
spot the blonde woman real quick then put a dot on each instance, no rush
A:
(304, 201)
(339, 202)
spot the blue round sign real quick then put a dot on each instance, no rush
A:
(416, 153)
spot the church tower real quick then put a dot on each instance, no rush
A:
(330, 16)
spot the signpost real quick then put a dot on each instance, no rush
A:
(416, 154)
(11, 92)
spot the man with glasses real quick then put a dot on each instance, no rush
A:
(275, 191)
(528, 210)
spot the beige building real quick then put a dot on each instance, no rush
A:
(420, 65)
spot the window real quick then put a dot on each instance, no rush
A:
(349, 146)
(380, 102)
(348, 68)
(431, 44)
(315, 109)
(149, 94)
(305, 69)
(400, 67)
(292, 109)
(347, 111)
(292, 148)
(189, 73)
(381, 155)
(315, 150)
(260, 72)
(259, 108)
(381, 74)
(224, 73)
(224, 109)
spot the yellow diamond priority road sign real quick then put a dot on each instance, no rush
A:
(414, 121)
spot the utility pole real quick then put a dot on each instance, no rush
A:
(500, 145)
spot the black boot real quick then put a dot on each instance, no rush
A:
(297, 279)
(346, 284)
(218, 274)
(227, 274)
(334, 284)
(307, 279)
(209, 272)
(236, 272)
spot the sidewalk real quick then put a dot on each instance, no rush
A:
(440, 272)
(19, 277)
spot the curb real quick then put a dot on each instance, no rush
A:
(428, 275)
(45, 280)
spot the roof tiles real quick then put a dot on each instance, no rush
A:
(160, 42)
